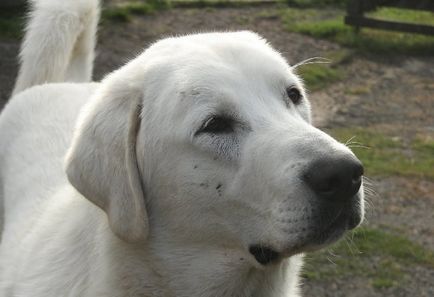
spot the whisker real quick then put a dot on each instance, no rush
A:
(350, 140)
(331, 261)
(368, 180)
(359, 146)
(355, 144)
(349, 241)
(313, 60)
(370, 196)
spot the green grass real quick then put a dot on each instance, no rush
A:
(382, 283)
(319, 76)
(328, 23)
(125, 11)
(384, 155)
(210, 3)
(380, 256)
(358, 90)
(316, 3)
(404, 15)
(12, 22)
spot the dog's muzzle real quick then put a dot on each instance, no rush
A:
(335, 181)
(330, 205)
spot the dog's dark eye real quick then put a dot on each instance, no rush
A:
(294, 94)
(218, 125)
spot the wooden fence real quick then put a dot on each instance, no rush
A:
(357, 8)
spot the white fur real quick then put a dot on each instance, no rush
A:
(143, 205)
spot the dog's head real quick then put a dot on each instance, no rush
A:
(208, 139)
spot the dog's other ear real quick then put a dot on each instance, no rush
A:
(101, 162)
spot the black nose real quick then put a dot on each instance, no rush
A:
(335, 178)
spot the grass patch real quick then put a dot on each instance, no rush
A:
(380, 256)
(384, 155)
(403, 15)
(383, 283)
(124, 12)
(316, 3)
(207, 3)
(377, 242)
(358, 90)
(328, 23)
(12, 22)
(319, 76)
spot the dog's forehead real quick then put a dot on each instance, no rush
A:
(223, 55)
(215, 70)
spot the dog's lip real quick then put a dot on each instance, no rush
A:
(330, 234)
(344, 219)
(324, 236)
(337, 225)
(264, 254)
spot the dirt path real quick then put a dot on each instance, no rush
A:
(391, 94)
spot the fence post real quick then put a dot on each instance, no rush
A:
(355, 10)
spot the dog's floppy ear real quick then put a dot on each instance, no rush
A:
(101, 162)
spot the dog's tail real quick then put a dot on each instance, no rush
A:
(59, 42)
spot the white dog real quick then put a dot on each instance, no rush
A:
(191, 171)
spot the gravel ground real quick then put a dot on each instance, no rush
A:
(399, 102)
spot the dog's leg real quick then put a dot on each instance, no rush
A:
(59, 42)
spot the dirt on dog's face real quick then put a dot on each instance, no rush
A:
(229, 157)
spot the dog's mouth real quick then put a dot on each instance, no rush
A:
(263, 254)
(326, 234)
(332, 222)
(266, 255)
(322, 234)
(332, 231)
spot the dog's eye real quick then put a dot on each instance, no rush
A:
(218, 125)
(294, 94)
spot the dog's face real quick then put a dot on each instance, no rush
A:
(225, 151)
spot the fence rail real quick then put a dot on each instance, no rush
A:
(356, 9)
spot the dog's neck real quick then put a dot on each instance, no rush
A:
(227, 273)
(161, 270)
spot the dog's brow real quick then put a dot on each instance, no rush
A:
(199, 90)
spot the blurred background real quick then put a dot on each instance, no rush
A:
(376, 95)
